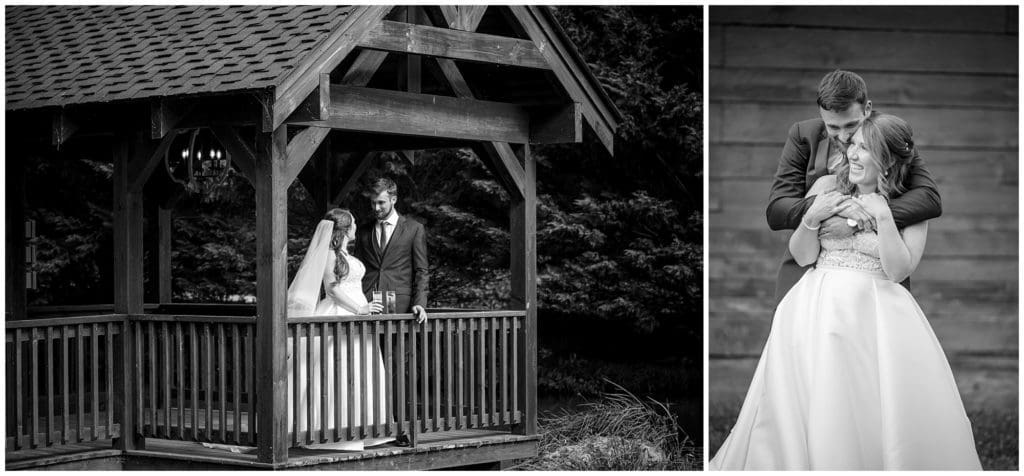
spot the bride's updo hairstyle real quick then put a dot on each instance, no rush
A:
(342, 223)
(890, 142)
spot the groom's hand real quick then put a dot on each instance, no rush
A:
(836, 227)
(420, 313)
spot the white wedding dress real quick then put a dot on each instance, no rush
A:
(364, 358)
(851, 378)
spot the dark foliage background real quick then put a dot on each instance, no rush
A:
(619, 238)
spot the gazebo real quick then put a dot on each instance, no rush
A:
(307, 93)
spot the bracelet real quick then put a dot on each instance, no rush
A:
(808, 227)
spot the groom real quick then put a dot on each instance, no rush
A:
(814, 148)
(394, 250)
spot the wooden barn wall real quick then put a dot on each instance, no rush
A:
(952, 73)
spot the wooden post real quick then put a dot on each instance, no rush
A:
(128, 292)
(164, 254)
(16, 298)
(523, 230)
(271, 285)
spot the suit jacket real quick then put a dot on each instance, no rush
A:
(400, 267)
(803, 161)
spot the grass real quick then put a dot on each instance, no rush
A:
(995, 434)
(618, 431)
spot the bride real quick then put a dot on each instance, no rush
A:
(341, 275)
(852, 376)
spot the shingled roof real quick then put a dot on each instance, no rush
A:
(63, 55)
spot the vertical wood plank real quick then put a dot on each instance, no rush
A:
(164, 281)
(222, 384)
(505, 420)
(152, 352)
(109, 378)
(492, 359)
(325, 383)
(180, 374)
(236, 383)
(377, 418)
(436, 358)
(80, 381)
(389, 375)
(414, 427)
(34, 377)
(310, 383)
(207, 359)
(19, 384)
(460, 391)
(165, 375)
(296, 383)
(400, 379)
(49, 386)
(448, 423)
(364, 405)
(271, 210)
(515, 369)
(250, 382)
(481, 368)
(471, 420)
(339, 393)
(139, 367)
(94, 357)
(350, 393)
(65, 387)
(193, 369)
(424, 377)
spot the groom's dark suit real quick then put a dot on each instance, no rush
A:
(400, 267)
(797, 172)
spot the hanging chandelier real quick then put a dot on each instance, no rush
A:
(196, 160)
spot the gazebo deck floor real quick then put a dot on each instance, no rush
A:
(434, 450)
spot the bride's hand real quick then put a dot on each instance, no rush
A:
(371, 308)
(876, 205)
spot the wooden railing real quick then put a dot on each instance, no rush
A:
(61, 380)
(393, 378)
(350, 377)
(194, 379)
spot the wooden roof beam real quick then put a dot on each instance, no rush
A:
(165, 115)
(463, 17)
(402, 113)
(454, 44)
(241, 154)
(147, 155)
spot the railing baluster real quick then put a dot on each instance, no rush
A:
(208, 373)
(400, 379)
(325, 383)
(194, 371)
(296, 383)
(236, 384)
(80, 381)
(34, 378)
(109, 376)
(20, 421)
(505, 420)
(65, 381)
(364, 369)
(339, 395)
(49, 386)
(482, 372)
(460, 372)
(377, 420)
(222, 383)
(94, 356)
(515, 370)
(165, 376)
(389, 374)
(492, 359)
(350, 394)
(180, 373)
(436, 420)
(414, 426)
(140, 387)
(470, 344)
(152, 352)
(448, 424)
(250, 382)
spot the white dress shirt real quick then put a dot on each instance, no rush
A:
(389, 229)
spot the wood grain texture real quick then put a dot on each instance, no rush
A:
(963, 19)
(454, 44)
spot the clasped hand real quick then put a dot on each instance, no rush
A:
(834, 213)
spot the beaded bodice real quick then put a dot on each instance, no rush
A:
(858, 251)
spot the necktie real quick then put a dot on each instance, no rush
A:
(383, 236)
